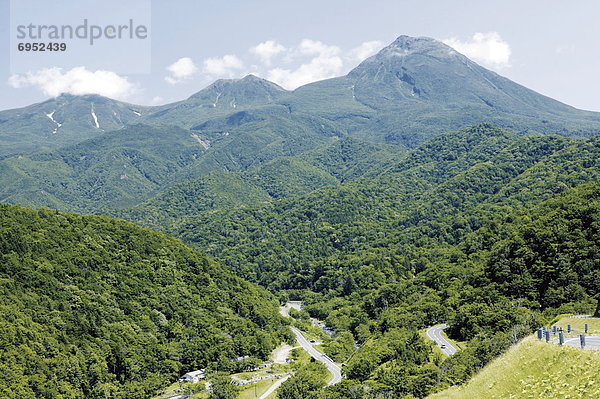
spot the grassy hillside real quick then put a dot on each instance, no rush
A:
(534, 369)
(99, 308)
(578, 324)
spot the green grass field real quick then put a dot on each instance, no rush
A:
(172, 390)
(534, 369)
(256, 390)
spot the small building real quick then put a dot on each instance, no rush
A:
(193, 376)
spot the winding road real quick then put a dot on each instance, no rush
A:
(591, 342)
(435, 334)
(333, 368)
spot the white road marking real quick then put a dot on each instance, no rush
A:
(435, 334)
(333, 368)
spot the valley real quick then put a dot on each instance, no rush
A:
(430, 213)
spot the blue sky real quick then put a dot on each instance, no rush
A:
(549, 46)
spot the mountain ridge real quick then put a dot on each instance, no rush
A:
(409, 91)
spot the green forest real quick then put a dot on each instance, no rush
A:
(93, 307)
(493, 233)
(140, 243)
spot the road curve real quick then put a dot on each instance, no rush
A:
(333, 368)
(591, 342)
(285, 310)
(435, 334)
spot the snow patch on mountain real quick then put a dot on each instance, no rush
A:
(51, 116)
(95, 119)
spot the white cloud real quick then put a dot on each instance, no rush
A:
(325, 63)
(180, 70)
(157, 100)
(315, 47)
(486, 48)
(76, 81)
(289, 66)
(267, 50)
(226, 66)
(365, 50)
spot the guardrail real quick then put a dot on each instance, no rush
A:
(568, 336)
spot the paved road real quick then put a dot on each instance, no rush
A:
(284, 310)
(273, 387)
(435, 334)
(591, 342)
(333, 368)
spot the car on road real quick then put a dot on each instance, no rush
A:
(443, 346)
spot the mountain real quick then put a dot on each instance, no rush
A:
(416, 88)
(284, 177)
(120, 169)
(96, 307)
(410, 91)
(116, 169)
(488, 231)
(63, 120)
(225, 96)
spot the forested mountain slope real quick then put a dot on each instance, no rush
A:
(63, 120)
(439, 192)
(114, 170)
(493, 288)
(96, 307)
(460, 230)
(343, 160)
(123, 168)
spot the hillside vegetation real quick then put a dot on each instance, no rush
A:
(492, 233)
(534, 369)
(99, 308)
(418, 189)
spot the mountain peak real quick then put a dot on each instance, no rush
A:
(408, 42)
(405, 46)
(247, 80)
(411, 69)
(249, 90)
(253, 78)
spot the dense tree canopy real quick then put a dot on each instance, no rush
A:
(479, 228)
(95, 307)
